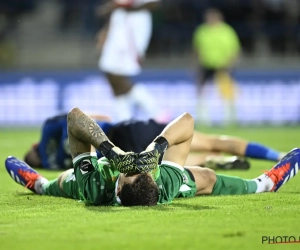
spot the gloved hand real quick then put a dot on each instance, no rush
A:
(124, 162)
(149, 159)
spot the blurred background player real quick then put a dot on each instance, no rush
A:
(217, 47)
(123, 42)
(52, 151)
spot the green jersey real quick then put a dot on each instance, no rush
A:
(98, 186)
(216, 45)
(95, 187)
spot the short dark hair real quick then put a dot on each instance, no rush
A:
(142, 192)
(28, 159)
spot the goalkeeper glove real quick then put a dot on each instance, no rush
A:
(124, 162)
(149, 159)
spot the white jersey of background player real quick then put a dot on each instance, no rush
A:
(126, 40)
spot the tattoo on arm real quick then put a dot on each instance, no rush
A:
(95, 131)
(82, 120)
(85, 132)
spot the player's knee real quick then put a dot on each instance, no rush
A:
(189, 121)
(60, 180)
(210, 178)
(188, 117)
(63, 176)
(205, 179)
(215, 144)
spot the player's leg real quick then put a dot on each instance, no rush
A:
(204, 76)
(121, 87)
(179, 134)
(130, 136)
(114, 69)
(142, 98)
(63, 186)
(208, 182)
(26, 176)
(206, 151)
(233, 145)
(139, 29)
(217, 161)
(227, 89)
(128, 95)
(224, 162)
(55, 187)
(121, 42)
(199, 159)
(119, 84)
(173, 142)
(171, 145)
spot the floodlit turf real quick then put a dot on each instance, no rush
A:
(32, 222)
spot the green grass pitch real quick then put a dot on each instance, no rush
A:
(32, 222)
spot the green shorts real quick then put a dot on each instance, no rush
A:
(70, 186)
(188, 188)
(173, 181)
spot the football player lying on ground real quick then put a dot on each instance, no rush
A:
(144, 180)
(52, 152)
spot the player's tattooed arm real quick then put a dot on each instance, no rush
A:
(83, 132)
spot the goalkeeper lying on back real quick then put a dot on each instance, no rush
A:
(133, 179)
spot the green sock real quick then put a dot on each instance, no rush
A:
(229, 185)
(51, 188)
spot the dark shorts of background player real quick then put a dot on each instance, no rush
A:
(135, 135)
(206, 74)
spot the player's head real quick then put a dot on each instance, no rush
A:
(137, 190)
(32, 157)
(213, 16)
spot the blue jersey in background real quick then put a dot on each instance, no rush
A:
(54, 145)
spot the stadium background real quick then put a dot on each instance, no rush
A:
(49, 61)
(48, 64)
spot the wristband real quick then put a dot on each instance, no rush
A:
(105, 147)
(162, 141)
